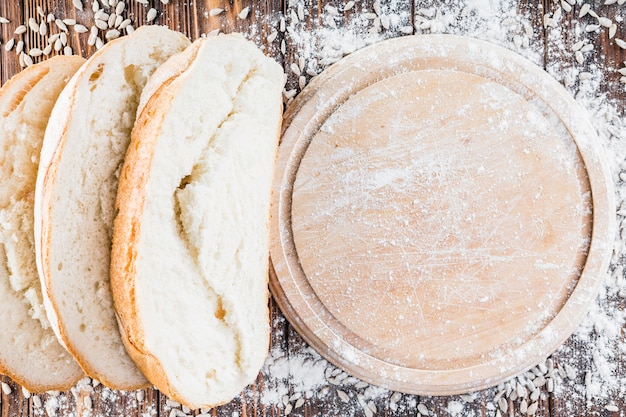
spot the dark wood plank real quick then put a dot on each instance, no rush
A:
(193, 18)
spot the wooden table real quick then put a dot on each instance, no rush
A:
(348, 397)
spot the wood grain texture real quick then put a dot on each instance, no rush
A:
(403, 247)
(192, 18)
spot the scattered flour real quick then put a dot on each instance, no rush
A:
(598, 342)
(591, 376)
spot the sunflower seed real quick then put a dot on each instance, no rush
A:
(20, 47)
(243, 14)
(343, 396)
(35, 52)
(68, 50)
(283, 46)
(99, 43)
(151, 15)
(112, 34)
(534, 396)
(119, 9)
(584, 9)
(6, 388)
(33, 25)
(579, 57)
(215, 11)
(165, 1)
(111, 21)
(63, 38)
(587, 48)
(605, 22)
(422, 409)
(584, 75)
(349, 5)
(124, 24)
(37, 401)
(47, 50)
(523, 406)
(21, 60)
(101, 15)
(557, 14)
(101, 24)
(28, 61)
(61, 25)
(80, 28)
(129, 29)
(299, 403)
(570, 371)
(612, 408)
(9, 45)
(95, 6)
(503, 404)
(566, 6)
(20, 29)
(88, 402)
(4, 19)
(302, 82)
(385, 22)
(620, 43)
(295, 68)
(301, 11)
(272, 36)
(591, 28)
(43, 29)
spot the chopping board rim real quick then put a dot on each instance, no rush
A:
(363, 68)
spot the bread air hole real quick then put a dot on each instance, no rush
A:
(184, 182)
(219, 311)
(94, 77)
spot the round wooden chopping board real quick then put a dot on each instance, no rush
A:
(441, 216)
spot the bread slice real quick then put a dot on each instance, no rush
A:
(83, 151)
(29, 350)
(190, 246)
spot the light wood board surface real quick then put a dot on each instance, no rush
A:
(432, 215)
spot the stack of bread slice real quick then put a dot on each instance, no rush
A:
(29, 350)
(149, 229)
